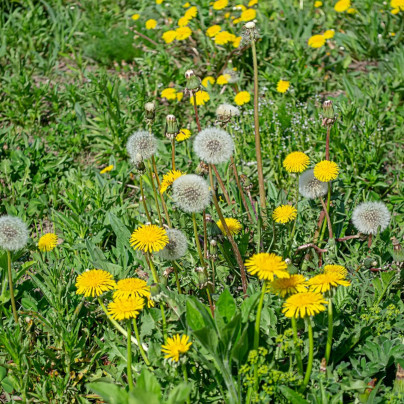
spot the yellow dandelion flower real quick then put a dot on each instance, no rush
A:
(326, 171)
(240, 7)
(296, 162)
(288, 286)
(183, 22)
(284, 214)
(236, 42)
(394, 11)
(336, 268)
(168, 179)
(149, 238)
(213, 30)
(201, 98)
(233, 224)
(131, 287)
(183, 33)
(183, 135)
(342, 5)
(266, 266)
(351, 11)
(252, 3)
(125, 307)
(151, 24)
(47, 242)
(107, 169)
(223, 79)
(159, 1)
(237, 20)
(94, 283)
(176, 346)
(135, 17)
(282, 86)
(169, 94)
(304, 304)
(318, 4)
(224, 37)
(248, 15)
(242, 98)
(186, 5)
(169, 36)
(329, 34)
(180, 96)
(324, 282)
(397, 4)
(208, 79)
(316, 41)
(220, 4)
(191, 12)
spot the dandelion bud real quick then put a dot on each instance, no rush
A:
(139, 164)
(398, 251)
(246, 183)
(213, 243)
(328, 109)
(202, 277)
(150, 110)
(155, 289)
(249, 33)
(399, 382)
(171, 127)
(193, 82)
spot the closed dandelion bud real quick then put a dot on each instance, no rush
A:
(155, 289)
(193, 82)
(202, 277)
(249, 33)
(246, 183)
(328, 109)
(150, 110)
(139, 165)
(171, 127)
(399, 382)
(213, 243)
(13, 233)
(398, 251)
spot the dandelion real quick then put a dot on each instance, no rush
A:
(191, 12)
(107, 169)
(213, 30)
(353, 11)
(168, 37)
(125, 308)
(234, 77)
(135, 17)
(220, 4)
(94, 283)
(132, 287)
(13, 233)
(183, 33)
(310, 187)
(233, 225)
(369, 217)
(248, 15)
(225, 112)
(191, 193)
(213, 146)
(169, 94)
(397, 6)
(329, 34)
(342, 5)
(288, 286)
(141, 145)
(183, 135)
(252, 3)
(176, 347)
(149, 238)
(316, 41)
(266, 266)
(282, 86)
(177, 246)
(236, 43)
(318, 4)
(324, 282)
(336, 269)
(168, 179)
(207, 80)
(296, 162)
(201, 98)
(151, 24)
(326, 171)
(284, 214)
(159, 1)
(183, 22)
(47, 242)
(304, 304)
(242, 98)
(180, 95)
(223, 79)
(224, 37)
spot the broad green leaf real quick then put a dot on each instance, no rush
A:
(179, 394)
(226, 306)
(149, 383)
(110, 393)
(292, 396)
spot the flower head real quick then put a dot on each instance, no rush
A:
(324, 282)
(208, 80)
(169, 93)
(131, 287)
(336, 268)
(326, 171)
(183, 33)
(310, 187)
(183, 21)
(184, 134)
(248, 15)
(191, 12)
(284, 214)
(266, 266)
(329, 34)
(94, 283)
(213, 146)
(13, 233)
(233, 224)
(151, 24)
(141, 146)
(342, 5)
(304, 304)
(169, 36)
(288, 286)
(296, 162)
(191, 193)
(176, 346)
(213, 30)
(201, 98)
(125, 307)
(316, 41)
(149, 238)
(368, 217)
(168, 179)
(135, 17)
(220, 4)
(107, 169)
(242, 98)
(224, 37)
(318, 4)
(47, 242)
(282, 86)
(223, 79)
(177, 246)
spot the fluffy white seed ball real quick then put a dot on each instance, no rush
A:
(13, 233)
(176, 247)
(310, 187)
(142, 145)
(368, 217)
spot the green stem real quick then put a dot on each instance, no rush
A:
(184, 371)
(295, 221)
(152, 267)
(161, 195)
(326, 212)
(154, 193)
(177, 280)
(173, 153)
(10, 281)
(198, 244)
(330, 331)
(142, 352)
(129, 361)
(297, 349)
(143, 199)
(258, 318)
(311, 350)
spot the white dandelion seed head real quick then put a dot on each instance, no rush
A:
(141, 143)
(310, 187)
(13, 233)
(234, 77)
(150, 106)
(213, 146)
(227, 111)
(191, 193)
(250, 25)
(368, 217)
(176, 247)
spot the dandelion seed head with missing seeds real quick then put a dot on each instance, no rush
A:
(310, 187)
(13, 233)
(176, 247)
(368, 217)
(191, 193)
(141, 145)
(234, 77)
(225, 112)
(213, 146)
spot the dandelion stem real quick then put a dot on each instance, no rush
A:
(228, 234)
(370, 240)
(143, 199)
(327, 143)
(10, 282)
(258, 318)
(129, 361)
(330, 235)
(311, 350)
(325, 213)
(173, 153)
(142, 352)
(297, 349)
(198, 244)
(161, 195)
(205, 236)
(221, 184)
(196, 112)
(295, 221)
(155, 193)
(152, 267)
(330, 332)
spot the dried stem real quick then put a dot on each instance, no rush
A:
(196, 112)
(330, 235)
(143, 199)
(222, 187)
